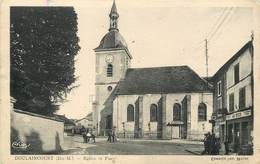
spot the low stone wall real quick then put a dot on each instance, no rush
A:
(35, 134)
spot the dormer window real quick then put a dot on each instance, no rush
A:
(109, 70)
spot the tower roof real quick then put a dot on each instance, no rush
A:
(113, 39)
(113, 9)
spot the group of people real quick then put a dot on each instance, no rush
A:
(212, 144)
(111, 136)
(87, 136)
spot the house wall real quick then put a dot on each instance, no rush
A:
(226, 121)
(42, 133)
(245, 68)
(220, 78)
(245, 78)
(86, 123)
(235, 89)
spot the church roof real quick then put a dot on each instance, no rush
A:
(156, 80)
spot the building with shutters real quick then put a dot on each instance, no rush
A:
(159, 102)
(233, 100)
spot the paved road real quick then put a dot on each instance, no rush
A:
(75, 145)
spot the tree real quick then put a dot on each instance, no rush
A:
(43, 46)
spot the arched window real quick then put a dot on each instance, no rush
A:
(153, 112)
(130, 113)
(202, 112)
(176, 112)
(109, 70)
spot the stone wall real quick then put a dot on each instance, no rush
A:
(195, 130)
(38, 134)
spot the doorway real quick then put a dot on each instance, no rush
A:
(175, 132)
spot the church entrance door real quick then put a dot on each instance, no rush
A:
(176, 132)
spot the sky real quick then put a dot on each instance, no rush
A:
(158, 34)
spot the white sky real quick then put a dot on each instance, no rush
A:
(157, 35)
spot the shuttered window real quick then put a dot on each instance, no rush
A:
(242, 98)
(231, 102)
(236, 73)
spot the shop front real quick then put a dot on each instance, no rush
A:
(240, 131)
(219, 126)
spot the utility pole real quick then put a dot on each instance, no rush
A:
(206, 51)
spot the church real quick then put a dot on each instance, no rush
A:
(156, 103)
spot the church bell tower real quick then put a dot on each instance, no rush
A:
(112, 61)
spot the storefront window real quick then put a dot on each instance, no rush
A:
(236, 137)
(230, 133)
(245, 133)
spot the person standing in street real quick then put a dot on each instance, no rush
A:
(210, 143)
(206, 145)
(88, 136)
(218, 146)
(109, 136)
(93, 137)
(84, 135)
(113, 135)
(226, 143)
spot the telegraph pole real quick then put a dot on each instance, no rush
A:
(206, 53)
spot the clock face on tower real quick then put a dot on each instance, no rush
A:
(109, 58)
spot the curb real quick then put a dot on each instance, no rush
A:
(192, 152)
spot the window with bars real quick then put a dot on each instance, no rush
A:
(202, 112)
(153, 113)
(109, 70)
(242, 98)
(130, 113)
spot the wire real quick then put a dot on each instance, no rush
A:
(229, 17)
(216, 26)
(220, 24)
(217, 22)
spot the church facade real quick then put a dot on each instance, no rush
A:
(158, 102)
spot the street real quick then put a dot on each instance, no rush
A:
(74, 145)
